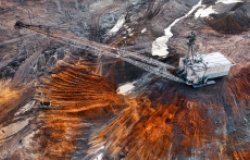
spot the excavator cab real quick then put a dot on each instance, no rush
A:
(198, 69)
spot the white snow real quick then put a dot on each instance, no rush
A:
(129, 30)
(125, 89)
(159, 46)
(229, 1)
(120, 22)
(99, 156)
(130, 87)
(204, 12)
(144, 30)
(99, 152)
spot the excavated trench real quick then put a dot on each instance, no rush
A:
(61, 102)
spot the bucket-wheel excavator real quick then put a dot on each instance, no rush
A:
(194, 69)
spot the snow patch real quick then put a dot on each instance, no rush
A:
(159, 46)
(229, 1)
(99, 156)
(143, 30)
(100, 152)
(131, 34)
(125, 89)
(120, 22)
(204, 12)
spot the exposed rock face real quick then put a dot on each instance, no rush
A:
(61, 102)
(235, 21)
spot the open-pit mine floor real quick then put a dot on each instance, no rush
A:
(59, 101)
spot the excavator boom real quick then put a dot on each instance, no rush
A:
(146, 63)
